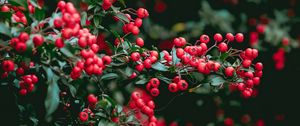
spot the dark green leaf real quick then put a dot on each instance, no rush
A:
(164, 79)
(22, 3)
(109, 76)
(159, 66)
(122, 17)
(216, 80)
(97, 20)
(224, 56)
(52, 98)
(175, 59)
(39, 14)
(198, 76)
(4, 29)
(83, 18)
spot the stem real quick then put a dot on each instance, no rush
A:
(210, 48)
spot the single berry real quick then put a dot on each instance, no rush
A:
(204, 39)
(218, 37)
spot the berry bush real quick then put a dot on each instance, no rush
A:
(87, 63)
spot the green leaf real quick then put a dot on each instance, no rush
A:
(22, 3)
(4, 29)
(97, 20)
(122, 17)
(83, 18)
(216, 80)
(123, 3)
(198, 76)
(109, 76)
(142, 80)
(164, 79)
(175, 59)
(39, 14)
(52, 98)
(224, 56)
(34, 3)
(159, 66)
(5, 15)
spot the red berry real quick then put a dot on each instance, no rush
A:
(254, 53)
(248, 53)
(204, 39)
(106, 59)
(229, 71)
(140, 103)
(249, 83)
(152, 124)
(8, 65)
(4, 8)
(154, 92)
(67, 33)
(23, 92)
(24, 37)
(147, 63)
(182, 85)
(246, 93)
(179, 52)
(228, 122)
(59, 43)
(83, 116)
(151, 104)
(138, 22)
(247, 63)
(223, 47)
(154, 82)
(140, 42)
(135, 56)
(82, 42)
(94, 48)
(147, 110)
(260, 28)
(133, 75)
(258, 73)
(218, 37)
(38, 40)
(61, 4)
(173, 87)
(139, 67)
(241, 86)
(57, 22)
(239, 37)
(142, 13)
(216, 66)
(20, 71)
(21, 47)
(135, 95)
(135, 30)
(256, 80)
(92, 99)
(259, 66)
(248, 74)
(285, 41)
(229, 37)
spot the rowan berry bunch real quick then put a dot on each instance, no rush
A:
(85, 63)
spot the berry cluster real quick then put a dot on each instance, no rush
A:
(19, 43)
(144, 60)
(178, 85)
(279, 59)
(145, 106)
(134, 24)
(92, 64)
(27, 83)
(152, 86)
